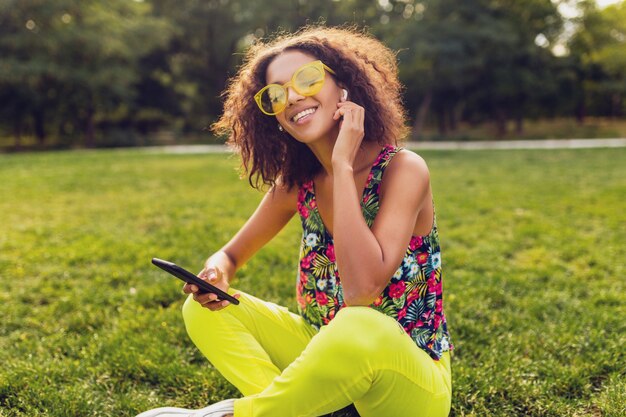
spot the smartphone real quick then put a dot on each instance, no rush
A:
(191, 278)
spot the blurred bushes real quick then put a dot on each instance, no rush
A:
(87, 73)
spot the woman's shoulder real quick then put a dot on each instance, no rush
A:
(406, 175)
(284, 196)
(406, 165)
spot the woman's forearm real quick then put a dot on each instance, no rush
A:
(360, 258)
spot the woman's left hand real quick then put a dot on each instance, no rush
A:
(351, 132)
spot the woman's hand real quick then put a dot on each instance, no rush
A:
(213, 275)
(351, 133)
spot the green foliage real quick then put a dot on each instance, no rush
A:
(532, 252)
(99, 70)
(74, 58)
(600, 45)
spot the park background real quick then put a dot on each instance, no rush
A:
(532, 240)
(126, 72)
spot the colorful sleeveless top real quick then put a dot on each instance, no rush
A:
(414, 294)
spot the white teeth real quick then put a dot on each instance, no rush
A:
(303, 113)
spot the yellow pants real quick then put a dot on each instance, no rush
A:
(286, 368)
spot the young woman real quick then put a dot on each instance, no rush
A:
(317, 116)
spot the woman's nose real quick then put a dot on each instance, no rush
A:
(293, 96)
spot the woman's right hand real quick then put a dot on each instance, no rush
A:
(214, 276)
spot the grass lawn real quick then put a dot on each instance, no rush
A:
(533, 247)
(557, 128)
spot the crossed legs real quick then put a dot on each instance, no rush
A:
(284, 367)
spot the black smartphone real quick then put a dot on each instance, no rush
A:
(191, 278)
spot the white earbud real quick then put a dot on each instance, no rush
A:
(344, 94)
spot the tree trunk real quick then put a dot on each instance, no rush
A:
(616, 105)
(581, 112)
(17, 132)
(441, 120)
(90, 136)
(456, 115)
(519, 124)
(500, 123)
(40, 126)
(451, 119)
(420, 115)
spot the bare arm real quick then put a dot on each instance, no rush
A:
(367, 258)
(273, 213)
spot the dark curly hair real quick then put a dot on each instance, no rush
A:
(365, 66)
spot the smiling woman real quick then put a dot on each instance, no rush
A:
(317, 117)
(360, 61)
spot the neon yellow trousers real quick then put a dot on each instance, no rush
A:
(286, 368)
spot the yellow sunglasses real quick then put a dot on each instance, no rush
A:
(307, 81)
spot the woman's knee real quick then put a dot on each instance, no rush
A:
(362, 329)
(200, 319)
(190, 309)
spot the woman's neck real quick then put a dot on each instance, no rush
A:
(323, 151)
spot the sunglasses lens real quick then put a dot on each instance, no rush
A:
(309, 80)
(273, 99)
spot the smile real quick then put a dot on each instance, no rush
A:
(303, 114)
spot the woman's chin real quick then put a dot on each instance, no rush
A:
(311, 133)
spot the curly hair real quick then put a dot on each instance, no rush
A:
(366, 67)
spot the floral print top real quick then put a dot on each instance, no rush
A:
(414, 294)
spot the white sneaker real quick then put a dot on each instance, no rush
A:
(216, 410)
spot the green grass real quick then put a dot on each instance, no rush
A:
(557, 128)
(533, 247)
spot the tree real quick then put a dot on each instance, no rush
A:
(74, 58)
(211, 37)
(472, 58)
(599, 46)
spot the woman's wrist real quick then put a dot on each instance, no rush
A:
(224, 262)
(342, 167)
